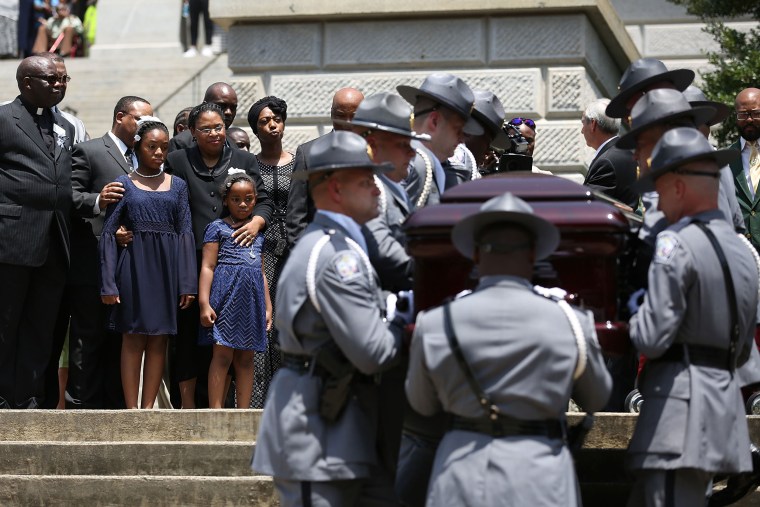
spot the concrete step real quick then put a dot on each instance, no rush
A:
(230, 459)
(129, 425)
(135, 491)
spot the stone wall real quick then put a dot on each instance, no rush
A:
(545, 62)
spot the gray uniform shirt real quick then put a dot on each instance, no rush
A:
(693, 416)
(294, 442)
(523, 352)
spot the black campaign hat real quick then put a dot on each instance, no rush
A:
(489, 111)
(449, 91)
(639, 75)
(696, 98)
(386, 111)
(339, 150)
(680, 146)
(661, 106)
(505, 209)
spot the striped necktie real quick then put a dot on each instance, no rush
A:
(754, 165)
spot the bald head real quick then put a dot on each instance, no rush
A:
(32, 77)
(224, 96)
(748, 94)
(747, 102)
(344, 104)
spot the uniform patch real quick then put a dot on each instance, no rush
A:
(347, 264)
(665, 247)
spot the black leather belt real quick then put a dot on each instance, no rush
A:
(302, 364)
(699, 355)
(504, 426)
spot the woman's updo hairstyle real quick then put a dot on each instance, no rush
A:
(203, 108)
(277, 105)
(146, 124)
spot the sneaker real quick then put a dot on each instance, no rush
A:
(190, 53)
(207, 51)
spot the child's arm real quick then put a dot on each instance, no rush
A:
(266, 297)
(109, 253)
(208, 265)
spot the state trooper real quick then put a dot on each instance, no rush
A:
(506, 380)
(442, 109)
(696, 325)
(384, 120)
(319, 428)
(489, 112)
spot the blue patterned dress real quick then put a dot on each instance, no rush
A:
(157, 267)
(237, 292)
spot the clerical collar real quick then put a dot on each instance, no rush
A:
(33, 110)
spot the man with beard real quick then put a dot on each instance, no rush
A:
(747, 169)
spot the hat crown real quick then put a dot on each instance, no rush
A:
(488, 109)
(506, 202)
(678, 144)
(658, 104)
(384, 109)
(640, 70)
(694, 94)
(339, 148)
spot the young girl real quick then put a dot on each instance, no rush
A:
(234, 297)
(146, 279)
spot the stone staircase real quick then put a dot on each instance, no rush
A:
(130, 458)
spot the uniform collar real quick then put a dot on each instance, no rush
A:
(502, 281)
(352, 229)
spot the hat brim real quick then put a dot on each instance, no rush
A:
(700, 115)
(545, 233)
(501, 139)
(721, 157)
(681, 79)
(385, 128)
(410, 94)
(721, 110)
(305, 175)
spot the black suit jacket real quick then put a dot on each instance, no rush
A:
(181, 141)
(35, 186)
(300, 212)
(613, 172)
(204, 186)
(95, 163)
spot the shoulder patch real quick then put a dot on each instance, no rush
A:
(348, 265)
(666, 245)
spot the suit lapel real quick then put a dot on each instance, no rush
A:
(113, 149)
(62, 134)
(740, 179)
(26, 123)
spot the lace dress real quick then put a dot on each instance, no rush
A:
(237, 292)
(158, 266)
(277, 182)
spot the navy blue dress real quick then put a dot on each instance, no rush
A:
(157, 267)
(237, 292)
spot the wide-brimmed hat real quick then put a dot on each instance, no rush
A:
(505, 209)
(661, 106)
(696, 97)
(339, 150)
(388, 112)
(678, 147)
(489, 111)
(449, 91)
(639, 75)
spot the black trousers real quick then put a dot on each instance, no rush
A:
(198, 8)
(29, 302)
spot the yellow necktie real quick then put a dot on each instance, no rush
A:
(754, 165)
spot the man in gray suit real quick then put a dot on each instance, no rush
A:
(35, 201)
(318, 435)
(94, 380)
(506, 380)
(695, 326)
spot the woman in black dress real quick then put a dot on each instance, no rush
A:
(204, 166)
(267, 120)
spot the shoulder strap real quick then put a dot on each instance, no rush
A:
(482, 396)
(731, 292)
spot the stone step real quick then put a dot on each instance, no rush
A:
(231, 459)
(230, 425)
(134, 491)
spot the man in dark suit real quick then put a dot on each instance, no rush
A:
(300, 206)
(746, 170)
(94, 353)
(35, 201)
(223, 96)
(612, 170)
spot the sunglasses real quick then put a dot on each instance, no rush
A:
(53, 79)
(519, 121)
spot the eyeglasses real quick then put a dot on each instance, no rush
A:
(207, 131)
(53, 79)
(519, 121)
(744, 115)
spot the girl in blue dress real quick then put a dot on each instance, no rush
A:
(233, 294)
(152, 276)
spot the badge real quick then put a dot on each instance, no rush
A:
(347, 265)
(667, 243)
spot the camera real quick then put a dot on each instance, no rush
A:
(513, 158)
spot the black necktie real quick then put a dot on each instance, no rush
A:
(128, 156)
(44, 121)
